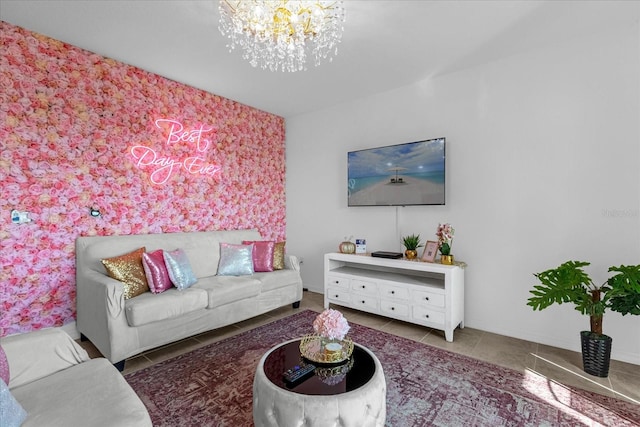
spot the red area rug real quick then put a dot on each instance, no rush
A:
(212, 386)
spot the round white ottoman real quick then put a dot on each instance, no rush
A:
(275, 406)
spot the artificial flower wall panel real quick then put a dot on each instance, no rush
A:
(80, 131)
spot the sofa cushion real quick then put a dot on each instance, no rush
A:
(92, 393)
(12, 414)
(179, 269)
(235, 260)
(223, 290)
(128, 269)
(156, 271)
(147, 308)
(277, 279)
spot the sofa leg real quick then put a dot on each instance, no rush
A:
(119, 365)
(296, 304)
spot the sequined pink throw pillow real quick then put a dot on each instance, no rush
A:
(262, 254)
(156, 271)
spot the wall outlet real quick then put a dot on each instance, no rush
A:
(18, 217)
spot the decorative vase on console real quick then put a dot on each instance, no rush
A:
(445, 240)
(347, 247)
(411, 244)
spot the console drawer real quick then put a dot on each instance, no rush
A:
(337, 282)
(363, 301)
(364, 287)
(338, 294)
(394, 309)
(428, 298)
(424, 314)
(389, 291)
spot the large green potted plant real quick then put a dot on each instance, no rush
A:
(411, 243)
(569, 283)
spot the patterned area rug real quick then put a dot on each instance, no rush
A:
(426, 386)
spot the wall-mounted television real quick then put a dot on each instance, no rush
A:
(398, 175)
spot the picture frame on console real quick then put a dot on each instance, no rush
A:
(430, 251)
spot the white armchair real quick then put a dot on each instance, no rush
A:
(57, 384)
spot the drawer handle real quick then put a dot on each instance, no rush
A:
(426, 298)
(393, 308)
(393, 292)
(426, 315)
(337, 296)
(362, 301)
(363, 286)
(336, 282)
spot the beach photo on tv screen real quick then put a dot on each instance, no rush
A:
(398, 175)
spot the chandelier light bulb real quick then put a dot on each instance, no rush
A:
(280, 35)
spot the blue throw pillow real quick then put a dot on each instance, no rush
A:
(235, 260)
(179, 269)
(11, 413)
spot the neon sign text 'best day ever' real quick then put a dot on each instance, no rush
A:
(165, 166)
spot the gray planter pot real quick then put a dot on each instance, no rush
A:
(596, 353)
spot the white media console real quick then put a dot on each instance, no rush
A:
(423, 293)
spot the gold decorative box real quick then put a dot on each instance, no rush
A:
(323, 350)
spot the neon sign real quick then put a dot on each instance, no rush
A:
(164, 166)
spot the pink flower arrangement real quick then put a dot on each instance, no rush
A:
(445, 238)
(331, 324)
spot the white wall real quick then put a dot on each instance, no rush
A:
(543, 154)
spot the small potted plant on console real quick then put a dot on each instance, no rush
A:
(411, 244)
(569, 283)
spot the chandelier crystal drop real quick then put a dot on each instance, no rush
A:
(280, 35)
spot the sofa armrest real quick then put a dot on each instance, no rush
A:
(291, 262)
(100, 314)
(100, 292)
(35, 355)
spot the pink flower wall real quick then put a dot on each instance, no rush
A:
(80, 131)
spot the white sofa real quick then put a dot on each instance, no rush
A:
(57, 384)
(121, 328)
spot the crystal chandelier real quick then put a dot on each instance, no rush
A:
(279, 35)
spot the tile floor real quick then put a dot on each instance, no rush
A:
(558, 365)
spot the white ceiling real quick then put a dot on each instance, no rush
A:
(386, 44)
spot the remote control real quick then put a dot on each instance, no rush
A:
(298, 373)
